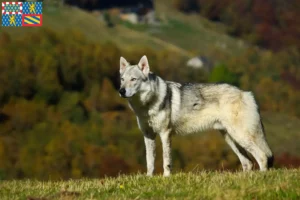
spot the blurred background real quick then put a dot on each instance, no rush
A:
(60, 113)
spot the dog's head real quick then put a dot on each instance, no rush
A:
(133, 77)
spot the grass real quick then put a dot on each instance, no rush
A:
(72, 18)
(192, 32)
(274, 184)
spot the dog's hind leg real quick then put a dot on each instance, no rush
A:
(260, 141)
(262, 144)
(239, 151)
(265, 158)
(247, 130)
(259, 155)
(249, 143)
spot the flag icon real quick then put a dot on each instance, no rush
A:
(32, 8)
(11, 20)
(12, 8)
(22, 13)
(32, 20)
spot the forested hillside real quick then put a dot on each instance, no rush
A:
(268, 23)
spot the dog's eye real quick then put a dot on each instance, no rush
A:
(122, 79)
(133, 79)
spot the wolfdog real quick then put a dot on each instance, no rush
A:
(164, 108)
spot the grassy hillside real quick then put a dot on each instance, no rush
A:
(189, 35)
(192, 32)
(94, 28)
(274, 184)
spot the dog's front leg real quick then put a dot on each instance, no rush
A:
(150, 152)
(167, 157)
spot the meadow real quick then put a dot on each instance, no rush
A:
(274, 184)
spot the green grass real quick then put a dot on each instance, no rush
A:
(274, 184)
(71, 18)
(191, 32)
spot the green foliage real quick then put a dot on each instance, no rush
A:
(220, 73)
(273, 77)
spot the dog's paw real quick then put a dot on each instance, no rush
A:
(149, 174)
(167, 174)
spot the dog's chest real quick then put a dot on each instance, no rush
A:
(158, 120)
(153, 119)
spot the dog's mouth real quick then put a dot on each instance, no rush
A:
(125, 96)
(126, 93)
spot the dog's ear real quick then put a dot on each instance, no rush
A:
(144, 65)
(123, 65)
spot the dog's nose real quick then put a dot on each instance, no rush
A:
(122, 91)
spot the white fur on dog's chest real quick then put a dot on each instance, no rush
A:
(151, 118)
(157, 120)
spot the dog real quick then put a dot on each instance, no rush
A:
(164, 108)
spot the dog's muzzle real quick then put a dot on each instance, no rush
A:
(122, 92)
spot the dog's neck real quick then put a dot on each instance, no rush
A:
(150, 95)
